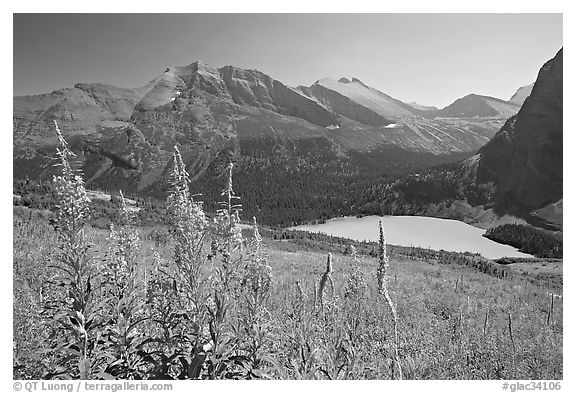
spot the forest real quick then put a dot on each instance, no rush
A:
(534, 241)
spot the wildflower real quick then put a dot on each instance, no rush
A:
(326, 277)
(258, 274)
(227, 240)
(189, 219)
(123, 250)
(227, 220)
(73, 293)
(72, 210)
(381, 275)
(356, 285)
(189, 226)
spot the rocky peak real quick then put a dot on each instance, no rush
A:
(476, 105)
(199, 66)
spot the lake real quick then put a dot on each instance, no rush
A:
(425, 232)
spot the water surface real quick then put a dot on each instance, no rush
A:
(425, 232)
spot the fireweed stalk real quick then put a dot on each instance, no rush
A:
(257, 275)
(71, 298)
(256, 285)
(227, 238)
(382, 277)
(356, 286)
(326, 278)
(189, 227)
(124, 291)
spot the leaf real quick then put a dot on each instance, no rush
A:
(195, 366)
(296, 368)
(60, 371)
(105, 375)
(84, 367)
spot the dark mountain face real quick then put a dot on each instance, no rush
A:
(524, 159)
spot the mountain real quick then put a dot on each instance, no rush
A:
(524, 159)
(306, 151)
(521, 94)
(517, 177)
(474, 105)
(439, 131)
(422, 107)
(357, 101)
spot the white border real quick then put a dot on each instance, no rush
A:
(300, 6)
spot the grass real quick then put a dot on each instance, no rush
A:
(440, 322)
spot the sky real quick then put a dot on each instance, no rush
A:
(431, 59)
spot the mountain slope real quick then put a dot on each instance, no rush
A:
(474, 105)
(357, 101)
(422, 107)
(521, 94)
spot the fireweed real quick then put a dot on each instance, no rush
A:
(227, 239)
(123, 292)
(325, 279)
(356, 287)
(382, 278)
(254, 316)
(70, 302)
(257, 273)
(189, 226)
(178, 290)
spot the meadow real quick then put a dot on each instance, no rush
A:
(214, 299)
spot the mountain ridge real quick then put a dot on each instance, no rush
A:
(124, 137)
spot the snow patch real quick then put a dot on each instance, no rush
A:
(393, 125)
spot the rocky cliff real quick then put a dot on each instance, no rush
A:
(524, 159)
